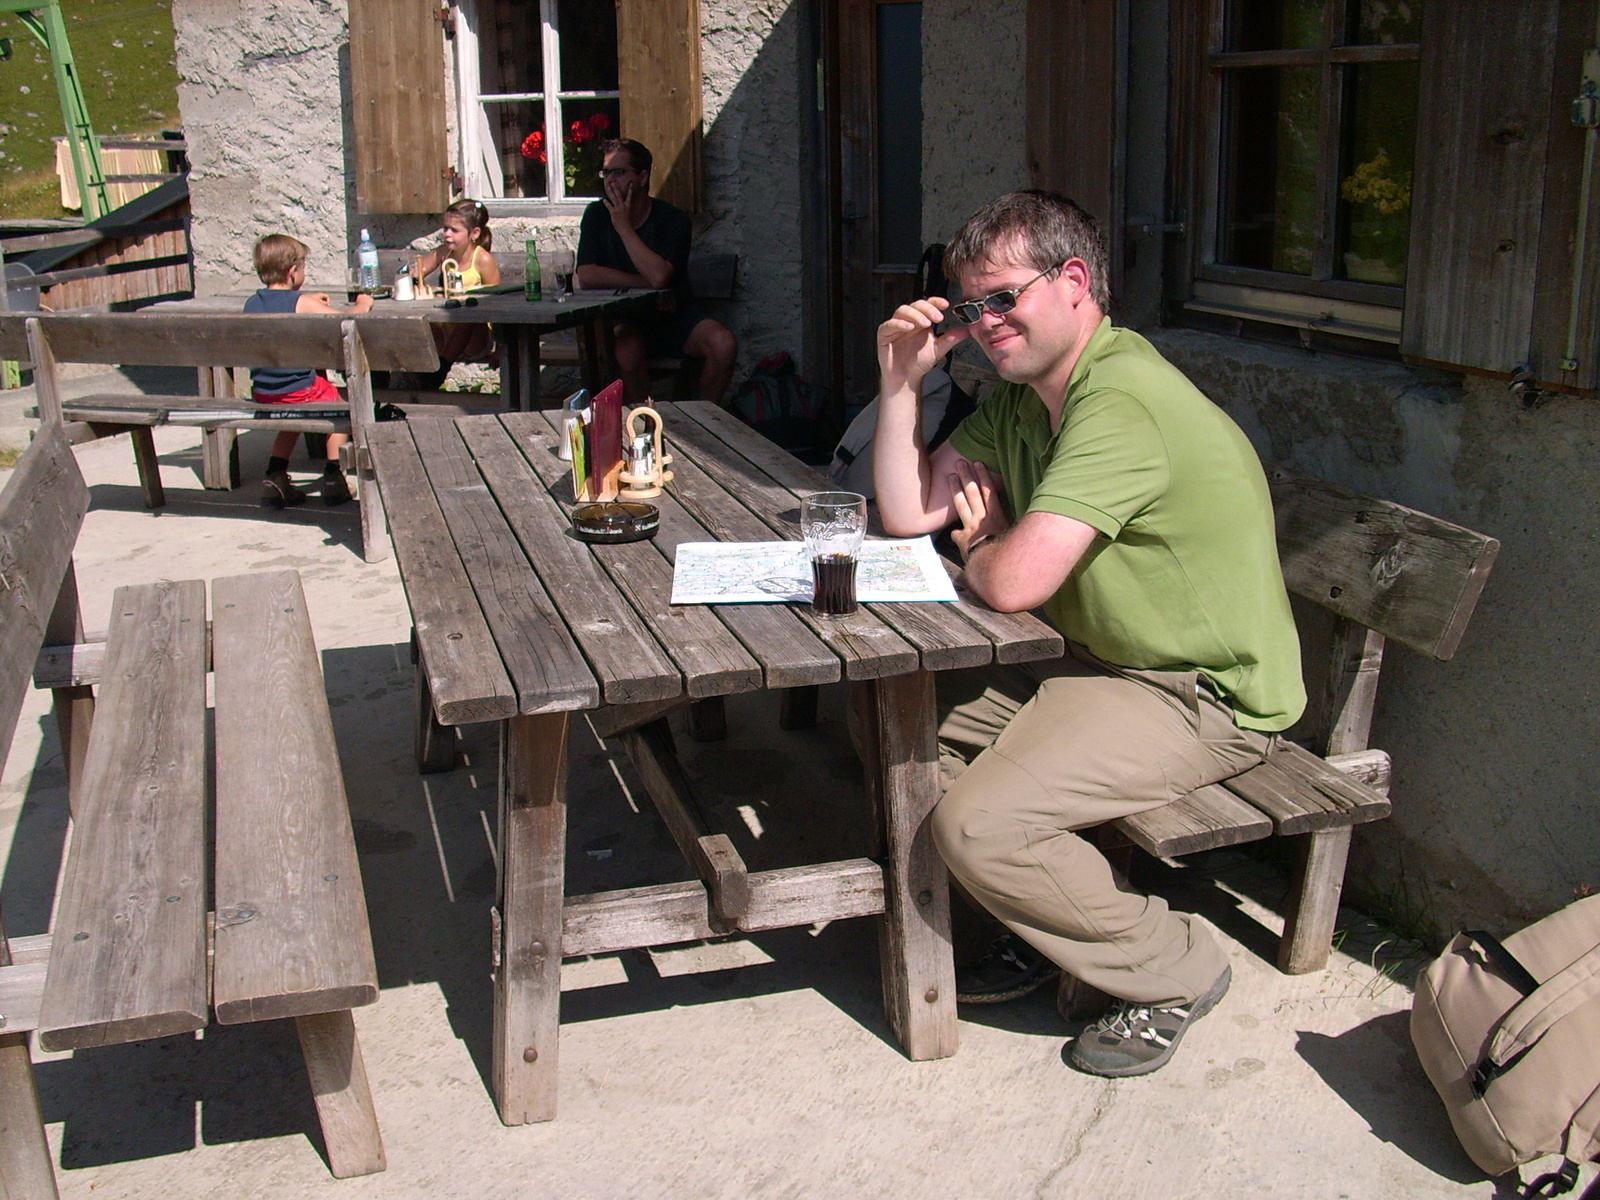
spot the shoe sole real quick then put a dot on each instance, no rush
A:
(1015, 993)
(1202, 1006)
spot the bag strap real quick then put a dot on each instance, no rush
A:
(1568, 990)
(1517, 975)
(1583, 1134)
(1556, 1183)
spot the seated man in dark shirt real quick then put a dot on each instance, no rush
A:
(629, 240)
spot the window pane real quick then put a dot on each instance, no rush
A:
(1269, 168)
(1375, 190)
(510, 56)
(1385, 22)
(520, 131)
(1274, 24)
(588, 45)
(899, 133)
(588, 123)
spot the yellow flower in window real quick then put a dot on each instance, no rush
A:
(1371, 184)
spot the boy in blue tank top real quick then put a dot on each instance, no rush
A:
(281, 263)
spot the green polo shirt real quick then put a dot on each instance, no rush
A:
(1185, 573)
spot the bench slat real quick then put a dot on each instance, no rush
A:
(292, 935)
(1205, 819)
(1302, 794)
(40, 512)
(128, 957)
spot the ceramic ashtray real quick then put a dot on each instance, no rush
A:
(615, 521)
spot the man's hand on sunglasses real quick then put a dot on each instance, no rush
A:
(909, 345)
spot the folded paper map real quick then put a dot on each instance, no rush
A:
(780, 572)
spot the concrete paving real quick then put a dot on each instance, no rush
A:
(756, 1067)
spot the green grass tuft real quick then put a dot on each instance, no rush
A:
(125, 57)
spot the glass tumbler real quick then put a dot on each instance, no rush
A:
(833, 525)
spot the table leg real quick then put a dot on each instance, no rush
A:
(597, 352)
(434, 744)
(510, 337)
(527, 980)
(343, 1097)
(919, 977)
(530, 397)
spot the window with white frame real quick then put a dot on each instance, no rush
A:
(537, 81)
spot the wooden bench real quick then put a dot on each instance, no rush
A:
(1385, 572)
(213, 342)
(135, 953)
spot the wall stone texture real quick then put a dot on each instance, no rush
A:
(260, 93)
(973, 103)
(1493, 815)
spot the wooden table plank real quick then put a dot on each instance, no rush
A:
(709, 477)
(790, 654)
(713, 661)
(128, 960)
(465, 674)
(627, 660)
(946, 642)
(546, 667)
(292, 935)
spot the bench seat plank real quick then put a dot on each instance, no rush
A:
(292, 936)
(1302, 794)
(1205, 819)
(128, 959)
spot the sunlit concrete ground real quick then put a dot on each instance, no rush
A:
(758, 1067)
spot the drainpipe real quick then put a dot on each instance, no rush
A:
(1585, 115)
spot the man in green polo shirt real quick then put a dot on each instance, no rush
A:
(1098, 483)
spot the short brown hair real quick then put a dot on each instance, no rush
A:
(639, 156)
(276, 255)
(1037, 228)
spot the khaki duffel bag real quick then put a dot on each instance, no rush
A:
(1510, 1036)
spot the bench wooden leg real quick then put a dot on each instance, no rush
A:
(344, 1101)
(527, 979)
(914, 948)
(435, 743)
(708, 720)
(25, 1167)
(797, 708)
(144, 456)
(219, 459)
(1313, 901)
(73, 706)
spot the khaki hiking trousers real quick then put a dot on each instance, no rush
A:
(1031, 754)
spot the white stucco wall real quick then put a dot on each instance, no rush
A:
(973, 103)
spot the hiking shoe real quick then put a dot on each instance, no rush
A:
(1135, 1039)
(1009, 968)
(279, 491)
(335, 490)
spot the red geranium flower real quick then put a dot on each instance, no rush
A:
(599, 122)
(580, 132)
(533, 146)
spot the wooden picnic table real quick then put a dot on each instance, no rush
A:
(518, 325)
(518, 622)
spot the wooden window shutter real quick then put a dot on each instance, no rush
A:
(1071, 123)
(1483, 127)
(397, 92)
(658, 74)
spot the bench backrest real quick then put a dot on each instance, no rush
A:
(41, 510)
(1399, 572)
(169, 339)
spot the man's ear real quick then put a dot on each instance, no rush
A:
(1075, 278)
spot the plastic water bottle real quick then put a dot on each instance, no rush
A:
(532, 285)
(367, 260)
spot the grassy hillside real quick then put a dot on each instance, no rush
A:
(124, 54)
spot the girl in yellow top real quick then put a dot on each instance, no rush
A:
(467, 239)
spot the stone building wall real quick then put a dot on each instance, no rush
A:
(973, 134)
(1493, 815)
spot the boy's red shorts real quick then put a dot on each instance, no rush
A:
(320, 392)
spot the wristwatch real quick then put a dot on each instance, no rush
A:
(966, 555)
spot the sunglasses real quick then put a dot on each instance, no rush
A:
(970, 312)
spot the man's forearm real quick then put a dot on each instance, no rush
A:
(651, 265)
(593, 275)
(900, 471)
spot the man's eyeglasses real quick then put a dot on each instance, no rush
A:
(613, 172)
(970, 312)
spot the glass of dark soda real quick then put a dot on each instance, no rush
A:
(833, 524)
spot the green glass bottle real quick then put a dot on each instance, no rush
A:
(532, 285)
